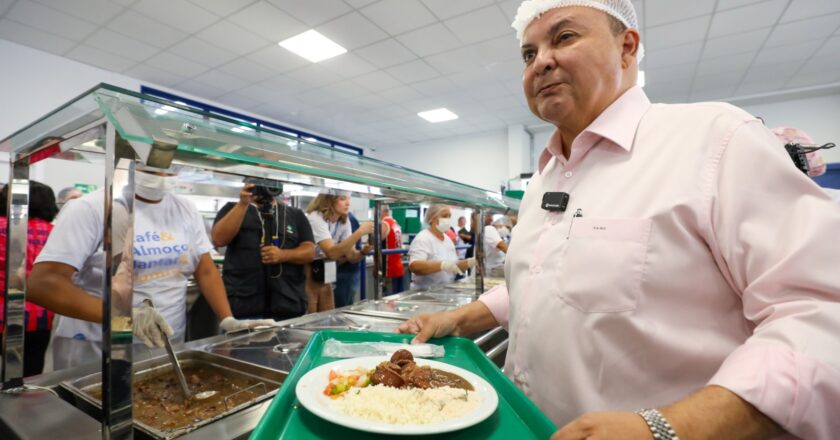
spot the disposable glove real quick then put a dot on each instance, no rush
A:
(149, 326)
(231, 324)
(451, 267)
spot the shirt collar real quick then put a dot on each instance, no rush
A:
(617, 124)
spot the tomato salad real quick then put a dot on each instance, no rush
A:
(342, 381)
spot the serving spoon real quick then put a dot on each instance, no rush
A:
(177, 367)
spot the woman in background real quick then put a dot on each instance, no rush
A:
(38, 320)
(334, 241)
(432, 257)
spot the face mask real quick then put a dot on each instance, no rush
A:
(444, 223)
(151, 186)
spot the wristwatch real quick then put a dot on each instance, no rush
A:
(659, 427)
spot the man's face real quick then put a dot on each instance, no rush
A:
(573, 66)
(462, 222)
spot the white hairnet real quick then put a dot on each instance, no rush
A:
(502, 221)
(621, 10)
(433, 212)
(65, 194)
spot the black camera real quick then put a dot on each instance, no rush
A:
(265, 190)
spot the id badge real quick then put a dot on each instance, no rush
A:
(329, 272)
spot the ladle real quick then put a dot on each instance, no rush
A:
(177, 367)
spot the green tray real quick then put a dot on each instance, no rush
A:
(515, 418)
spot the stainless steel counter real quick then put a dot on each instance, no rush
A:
(277, 348)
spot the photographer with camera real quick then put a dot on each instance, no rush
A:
(268, 243)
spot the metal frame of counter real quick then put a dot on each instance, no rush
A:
(74, 423)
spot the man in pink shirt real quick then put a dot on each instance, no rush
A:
(691, 273)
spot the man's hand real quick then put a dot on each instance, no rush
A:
(366, 249)
(605, 425)
(245, 195)
(436, 325)
(272, 255)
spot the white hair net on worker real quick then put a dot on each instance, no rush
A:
(621, 10)
(502, 221)
(174, 170)
(433, 212)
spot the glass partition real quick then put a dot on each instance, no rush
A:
(208, 140)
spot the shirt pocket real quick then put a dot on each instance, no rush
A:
(603, 264)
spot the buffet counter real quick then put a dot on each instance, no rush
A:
(65, 410)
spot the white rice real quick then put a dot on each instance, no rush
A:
(406, 407)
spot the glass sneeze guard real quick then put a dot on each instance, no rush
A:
(218, 142)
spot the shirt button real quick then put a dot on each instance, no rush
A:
(536, 268)
(568, 174)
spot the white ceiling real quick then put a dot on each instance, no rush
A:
(407, 56)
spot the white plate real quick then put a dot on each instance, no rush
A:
(310, 393)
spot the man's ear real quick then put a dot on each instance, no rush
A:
(630, 41)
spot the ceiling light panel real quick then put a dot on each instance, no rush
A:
(438, 115)
(313, 46)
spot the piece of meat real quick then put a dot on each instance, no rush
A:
(400, 357)
(420, 377)
(406, 369)
(386, 376)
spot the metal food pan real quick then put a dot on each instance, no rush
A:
(152, 367)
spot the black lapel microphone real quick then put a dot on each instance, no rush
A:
(555, 201)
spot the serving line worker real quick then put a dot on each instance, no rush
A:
(496, 247)
(268, 243)
(431, 255)
(692, 271)
(327, 214)
(169, 244)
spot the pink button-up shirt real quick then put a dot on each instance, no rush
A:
(692, 252)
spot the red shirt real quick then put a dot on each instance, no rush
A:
(393, 266)
(37, 317)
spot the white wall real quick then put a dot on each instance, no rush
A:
(35, 83)
(478, 160)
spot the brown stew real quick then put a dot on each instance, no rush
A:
(402, 372)
(159, 402)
